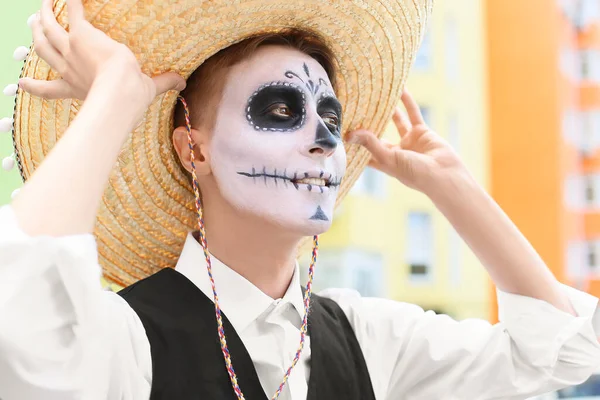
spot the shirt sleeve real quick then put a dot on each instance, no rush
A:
(61, 335)
(413, 354)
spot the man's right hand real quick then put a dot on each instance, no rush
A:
(87, 58)
(73, 175)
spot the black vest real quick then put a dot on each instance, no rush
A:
(187, 362)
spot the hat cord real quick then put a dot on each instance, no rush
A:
(203, 243)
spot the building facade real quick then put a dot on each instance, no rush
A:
(390, 241)
(545, 129)
(588, 45)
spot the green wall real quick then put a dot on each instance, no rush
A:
(14, 32)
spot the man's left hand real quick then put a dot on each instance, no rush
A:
(422, 160)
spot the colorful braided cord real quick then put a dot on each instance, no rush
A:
(203, 243)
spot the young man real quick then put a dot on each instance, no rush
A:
(262, 138)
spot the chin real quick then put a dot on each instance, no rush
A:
(311, 228)
(299, 226)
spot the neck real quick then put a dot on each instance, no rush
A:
(262, 253)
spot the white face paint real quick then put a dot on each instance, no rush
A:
(276, 150)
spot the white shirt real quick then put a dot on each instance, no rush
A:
(62, 337)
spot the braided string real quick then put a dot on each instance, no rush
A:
(204, 244)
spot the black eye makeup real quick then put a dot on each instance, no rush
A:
(278, 107)
(330, 110)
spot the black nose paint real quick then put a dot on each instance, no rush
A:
(324, 138)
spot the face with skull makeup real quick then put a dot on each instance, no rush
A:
(276, 150)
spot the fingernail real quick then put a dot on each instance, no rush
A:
(180, 86)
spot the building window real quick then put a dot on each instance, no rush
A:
(452, 50)
(419, 269)
(571, 10)
(570, 63)
(592, 191)
(590, 131)
(348, 268)
(371, 182)
(571, 127)
(590, 65)
(582, 129)
(592, 259)
(454, 256)
(364, 272)
(585, 64)
(586, 133)
(329, 271)
(426, 113)
(454, 133)
(363, 282)
(329, 276)
(586, 12)
(424, 56)
(576, 260)
(574, 192)
(419, 246)
(366, 275)
(582, 192)
(592, 265)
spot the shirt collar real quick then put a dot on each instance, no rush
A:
(239, 299)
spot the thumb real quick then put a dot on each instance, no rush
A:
(168, 81)
(369, 141)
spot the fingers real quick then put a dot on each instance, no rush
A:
(402, 124)
(43, 47)
(168, 81)
(76, 14)
(399, 161)
(55, 34)
(412, 108)
(50, 90)
(368, 140)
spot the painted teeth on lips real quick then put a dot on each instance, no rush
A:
(313, 181)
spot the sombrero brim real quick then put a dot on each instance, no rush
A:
(148, 206)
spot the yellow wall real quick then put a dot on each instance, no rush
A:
(380, 224)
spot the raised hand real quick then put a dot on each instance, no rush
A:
(421, 160)
(85, 55)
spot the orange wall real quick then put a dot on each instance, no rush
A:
(589, 37)
(594, 287)
(592, 225)
(589, 96)
(528, 159)
(592, 163)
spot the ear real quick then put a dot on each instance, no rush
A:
(200, 146)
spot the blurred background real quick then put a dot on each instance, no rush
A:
(514, 86)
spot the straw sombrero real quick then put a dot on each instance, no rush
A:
(148, 206)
